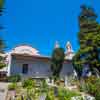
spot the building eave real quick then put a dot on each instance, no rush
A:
(47, 58)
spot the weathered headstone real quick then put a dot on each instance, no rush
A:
(66, 81)
(77, 98)
(84, 97)
(22, 97)
(55, 91)
(88, 97)
(42, 97)
(28, 98)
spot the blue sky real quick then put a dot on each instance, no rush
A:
(41, 22)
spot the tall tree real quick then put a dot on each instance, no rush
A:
(1, 6)
(2, 45)
(57, 61)
(89, 40)
(1, 3)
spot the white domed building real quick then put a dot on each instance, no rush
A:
(26, 61)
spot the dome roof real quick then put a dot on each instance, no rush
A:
(25, 49)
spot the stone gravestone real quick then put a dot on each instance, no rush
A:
(84, 97)
(75, 74)
(85, 70)
(52, 81)
(88, 97)
(28, 98)
(77, 98)
(66, 81)
(13, 98)
(22, 97)
(13, 94)
(55, 91)
(42, 97)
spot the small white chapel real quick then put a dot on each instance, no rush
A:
(28, 62)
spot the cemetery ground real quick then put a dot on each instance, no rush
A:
(32, 89)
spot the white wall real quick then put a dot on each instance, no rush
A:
(37, 68)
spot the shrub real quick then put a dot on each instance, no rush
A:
(66, 94)
(29, 83)
(50, 94)
(92, 86)
(82, 86)
(48, 97)
(14, 78)
(44, 86)
(12, 86)
(97, 95)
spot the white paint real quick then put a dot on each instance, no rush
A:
(69, 51)
(9, 64)
(25, 49)
(37, 67)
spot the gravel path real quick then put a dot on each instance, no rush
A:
(3, 90)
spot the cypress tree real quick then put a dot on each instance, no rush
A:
(89, 40)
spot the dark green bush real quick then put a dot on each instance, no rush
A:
(97, 95)
(29, 83)
(14, 78)
(48, 97)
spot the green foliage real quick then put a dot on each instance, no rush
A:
(58, 54)
(2, 65)
(1, 3)
(14, 78)
(48, 97)
(44, 86)
(89, 40)
(29, 83)
(63, 94)
(91, 86)
(97, 95)
(12, 86)
(66, 94)
(57, 61)
(2, 46)
(50, 94)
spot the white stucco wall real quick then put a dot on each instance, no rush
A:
(37, 68)
(67, 69)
